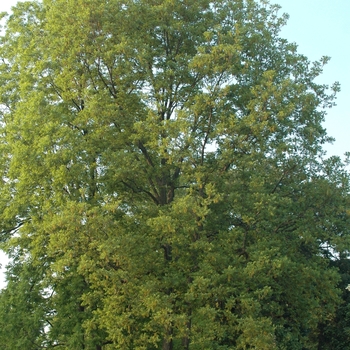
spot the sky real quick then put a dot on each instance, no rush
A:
(320, 28)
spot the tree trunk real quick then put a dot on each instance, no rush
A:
(186, 339)
(168, 341)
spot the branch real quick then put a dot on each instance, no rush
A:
(14, 229)
(145, 153)
(138, 190)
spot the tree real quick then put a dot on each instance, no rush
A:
(163, 178)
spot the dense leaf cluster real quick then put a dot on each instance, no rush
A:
(163, 181)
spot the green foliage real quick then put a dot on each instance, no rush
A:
(163, 182)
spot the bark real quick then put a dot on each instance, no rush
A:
(168, 342)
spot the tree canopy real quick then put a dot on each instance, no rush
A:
(164, 184)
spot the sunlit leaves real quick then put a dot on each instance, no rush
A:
(163, 180)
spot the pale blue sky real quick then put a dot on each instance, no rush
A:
(320, 28)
